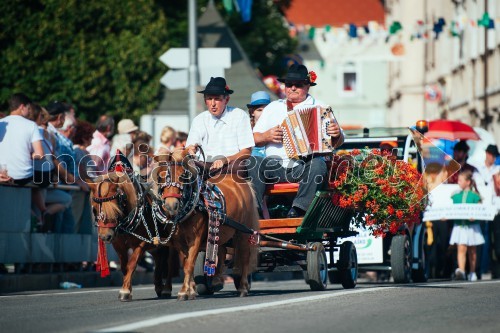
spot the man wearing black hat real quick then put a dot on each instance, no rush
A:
(267, 132)
(489, 169)
(460, 154)
(224, 132)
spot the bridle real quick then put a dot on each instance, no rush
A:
(100, 218)
(189, 188)
(168, 181)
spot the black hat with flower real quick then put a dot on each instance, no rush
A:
(299, 73)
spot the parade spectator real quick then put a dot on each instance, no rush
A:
(122, 141)
(180, 141)
(488, 169)
(20, 141)
(143, 155)
(100, 147)
(64, 147)
(223, 131)
(460, 155)
(494, 234)
(167, 139)
(310, 172)
(466, 234)
(258, 102)
(485, 178)
(47, 202)
(81, 205)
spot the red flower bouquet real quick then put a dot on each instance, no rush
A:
(385, 192)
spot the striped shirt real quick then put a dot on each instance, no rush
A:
(223, 136)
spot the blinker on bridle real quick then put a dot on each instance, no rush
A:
(119, 195)
(168, 180)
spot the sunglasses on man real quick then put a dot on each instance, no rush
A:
(296, 84)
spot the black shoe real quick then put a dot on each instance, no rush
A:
(295, 212)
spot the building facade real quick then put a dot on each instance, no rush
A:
(343, 43)
(444, 73)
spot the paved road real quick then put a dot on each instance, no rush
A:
(272, 307)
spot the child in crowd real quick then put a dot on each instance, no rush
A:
(180, 141)
(466, 234)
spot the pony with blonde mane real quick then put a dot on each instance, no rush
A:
(171, 176)
(117, 207)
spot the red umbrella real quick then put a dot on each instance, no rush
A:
(451, 130)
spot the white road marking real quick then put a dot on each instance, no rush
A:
(180, 316)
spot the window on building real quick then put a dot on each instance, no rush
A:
(349, 83)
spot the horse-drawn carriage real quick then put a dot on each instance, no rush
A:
(347, 248)
(185, 212)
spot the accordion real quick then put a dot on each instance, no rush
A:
(304, 131)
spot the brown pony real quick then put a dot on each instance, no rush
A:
(116, 205)
(171, 175)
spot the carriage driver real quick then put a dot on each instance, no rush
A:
(224, 132)
(311, 171)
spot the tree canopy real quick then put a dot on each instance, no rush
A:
(266, 38)
(101, 56)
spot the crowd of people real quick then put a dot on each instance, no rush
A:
(466, 249)
(44, 146)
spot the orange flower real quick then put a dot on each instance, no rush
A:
(385, 192)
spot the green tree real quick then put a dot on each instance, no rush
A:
(266, 38)
(101, 56)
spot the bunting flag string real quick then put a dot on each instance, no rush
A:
(374, 31)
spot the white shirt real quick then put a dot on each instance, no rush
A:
(274, 114)
(17, 135)
(487, 174)
(224, 136)
(120, 141)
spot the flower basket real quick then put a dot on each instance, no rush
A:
(384, 192)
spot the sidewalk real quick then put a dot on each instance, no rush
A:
(14, 283)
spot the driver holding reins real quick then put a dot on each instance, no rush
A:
(223, 131)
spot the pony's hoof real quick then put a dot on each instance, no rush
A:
(182, 297)
(192, 296)
(125, 297)
(243, 293)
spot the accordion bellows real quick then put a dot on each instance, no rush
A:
(304, 131)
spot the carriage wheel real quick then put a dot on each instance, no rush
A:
(317, 267)
(348, 265)
(202, 281)
(401, 258)
(420, 238)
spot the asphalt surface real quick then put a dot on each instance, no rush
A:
(278, 306)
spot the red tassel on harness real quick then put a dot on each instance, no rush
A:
(102, 259)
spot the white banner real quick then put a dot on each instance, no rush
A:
(368, 248)
(442, 207)
(461, 212)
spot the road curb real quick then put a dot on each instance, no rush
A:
(11, 283)
(14, 283)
